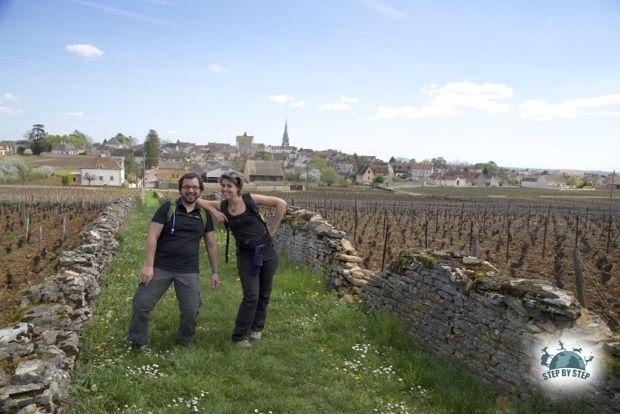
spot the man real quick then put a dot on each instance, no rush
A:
(172, 255)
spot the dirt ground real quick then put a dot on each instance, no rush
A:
(23, 267)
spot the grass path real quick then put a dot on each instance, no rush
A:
(318, 355)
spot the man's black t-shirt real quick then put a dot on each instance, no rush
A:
(177, 250)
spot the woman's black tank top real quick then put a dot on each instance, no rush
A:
(246, 227)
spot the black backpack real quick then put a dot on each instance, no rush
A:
(252, 208)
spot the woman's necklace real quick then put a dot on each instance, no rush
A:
(234, 206)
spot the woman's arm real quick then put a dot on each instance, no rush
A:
(213, 207)
(278, 203)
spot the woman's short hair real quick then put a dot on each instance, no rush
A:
(189, 176)
(234, 178)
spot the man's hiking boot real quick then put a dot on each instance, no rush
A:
(256, 335)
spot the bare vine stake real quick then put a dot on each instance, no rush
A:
(27, 235)
(40, 244)
(508, 240)
(545, 232)
(64, 229)
(355, 223)
(608, 235)
(385, 244)
(579, 281)
(426, 233)
(577, 231)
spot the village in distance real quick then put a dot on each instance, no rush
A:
(74, 159)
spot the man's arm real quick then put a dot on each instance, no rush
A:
(209, 238)
(278, 203)
(155, 230)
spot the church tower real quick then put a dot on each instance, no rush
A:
(285, 142)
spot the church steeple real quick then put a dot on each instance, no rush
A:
(285, 142)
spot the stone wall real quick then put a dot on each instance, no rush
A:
(38, 353)
(307, 238)
(463, 308)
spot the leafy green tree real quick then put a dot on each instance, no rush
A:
(131, 169)
(574, 181)
(122, 139)
(330, 176)
(65, 179)
(439, 162)
(378, 179)
(293, 176)
(76, 138)
(38, 139)
(24, 171)
(151, 149)
(487, 168)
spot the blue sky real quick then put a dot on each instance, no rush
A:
(530, 84)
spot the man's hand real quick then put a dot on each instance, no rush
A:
(272, 231)
(146, 274)
(215, 281)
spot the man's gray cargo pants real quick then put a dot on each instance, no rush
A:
(187, 289)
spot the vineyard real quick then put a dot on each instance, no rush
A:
(524, 238)
(37, 225)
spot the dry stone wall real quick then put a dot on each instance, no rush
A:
(462, 307)
(309, 239)
(38, 353)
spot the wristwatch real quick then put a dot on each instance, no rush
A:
(215, 270)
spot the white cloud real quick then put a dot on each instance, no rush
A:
(385, 10)
(344, 104)
(173, 132)
(81, 116)
(280, 98)
(76, 115)
(10, 111)
(298, 104)
(216, 68)
(85, 50)
(10, 97)
(605, 105)
(455, 98)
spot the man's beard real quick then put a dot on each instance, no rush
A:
(189, 198)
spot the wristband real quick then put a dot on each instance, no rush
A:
(215, 270)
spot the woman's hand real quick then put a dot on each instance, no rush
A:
(219, 216)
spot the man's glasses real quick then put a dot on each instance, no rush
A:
(191, 187)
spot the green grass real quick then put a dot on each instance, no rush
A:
(318, 355)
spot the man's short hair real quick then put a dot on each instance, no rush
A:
(189, 176)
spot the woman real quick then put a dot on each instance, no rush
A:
(256, 255)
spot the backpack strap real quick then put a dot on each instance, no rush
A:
(224, 210)
(251, 205)
(171, 213)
